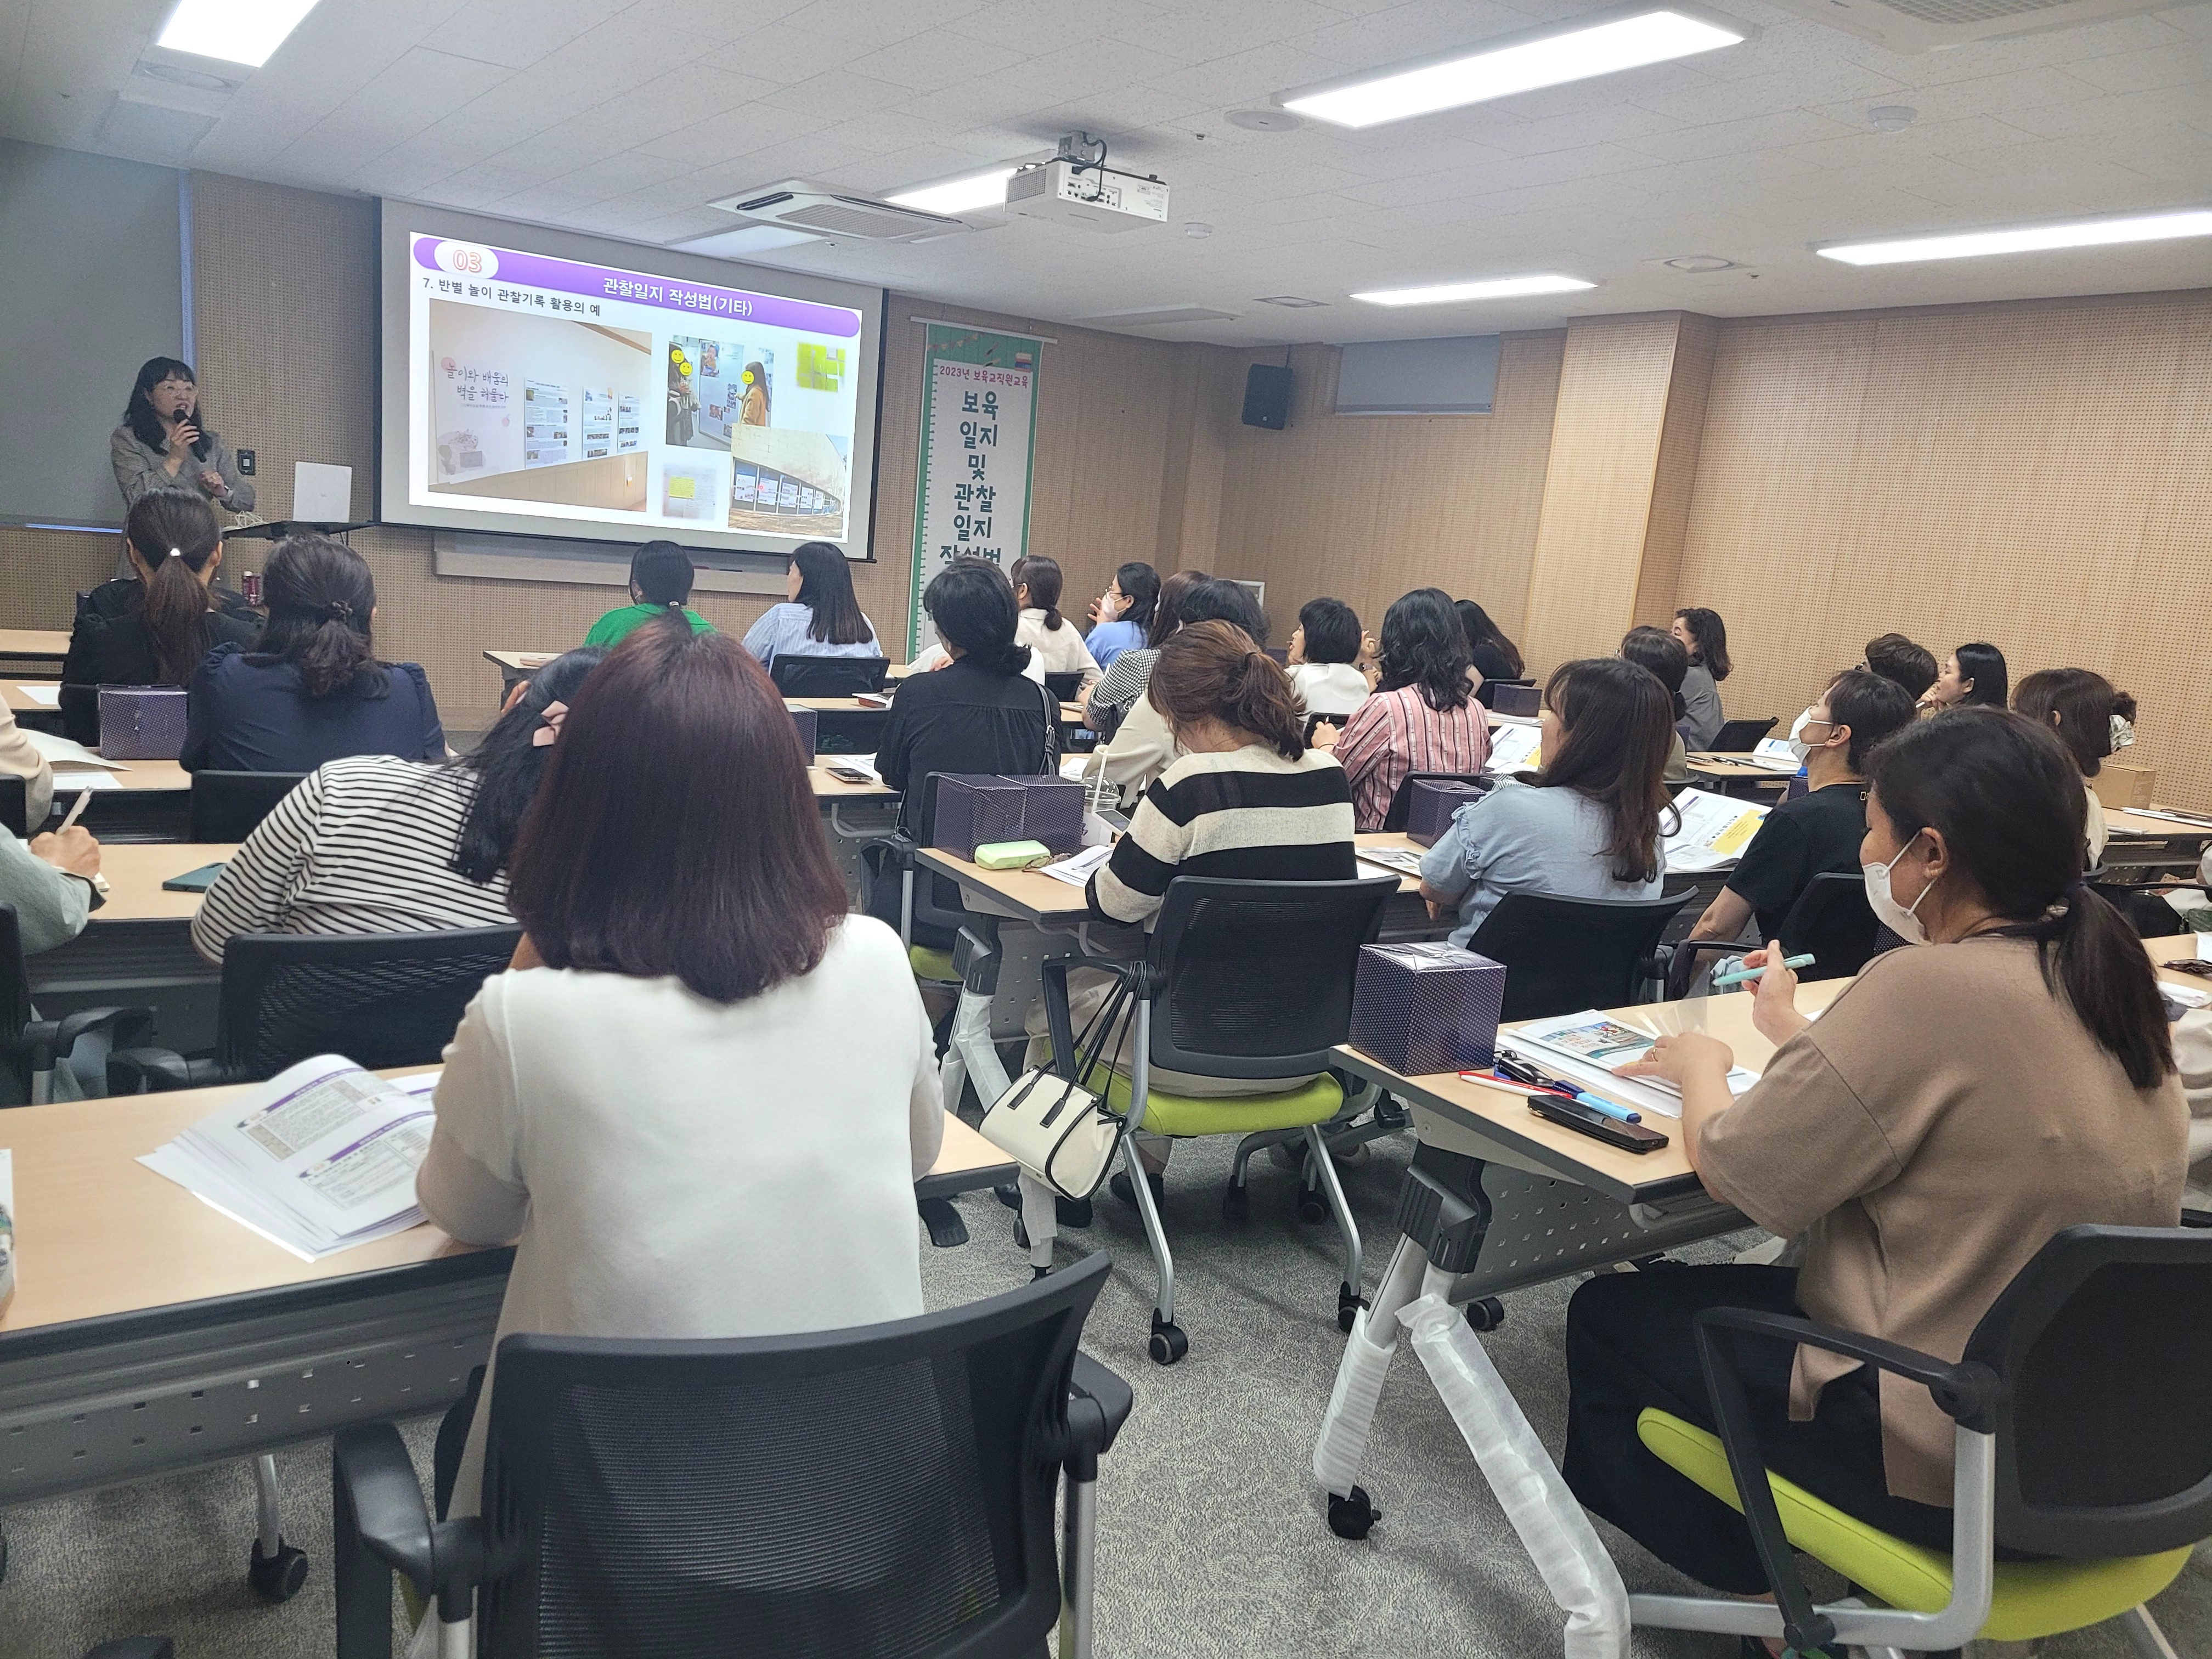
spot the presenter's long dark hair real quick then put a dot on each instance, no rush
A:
(173, 533)
(148, 427)
(825, 587)
(508, 763)
(320, 600)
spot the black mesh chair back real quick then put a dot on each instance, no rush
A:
(1517, 696)
(802, 676)
(229, 806)
(1740, 737)
(15, 1009)
(80, 711)
(1255, 976)
(1064, 688)
(378, 998)
(1395, 819)
(1832, 920)
(2104, 1343)
(1564, 954)
(16, 804)
(884, 1492)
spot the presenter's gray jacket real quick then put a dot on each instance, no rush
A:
(139, 470)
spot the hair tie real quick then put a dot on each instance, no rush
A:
(554, 713)
(338, 611)
(176, 552)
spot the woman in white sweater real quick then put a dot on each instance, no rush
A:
(700, 1097)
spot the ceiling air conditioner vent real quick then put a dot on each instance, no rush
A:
(797, 206)
(1927, 25)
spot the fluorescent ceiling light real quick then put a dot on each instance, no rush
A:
(2027, 239)
(957, 196)
(1622, 43)
(1501, 287)
(235, 31)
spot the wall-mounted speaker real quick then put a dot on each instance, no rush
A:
(1267, 396)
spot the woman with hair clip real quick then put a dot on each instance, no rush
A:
(821, 616)
(1587, 826)
(661, 576)
(2006, 1076)
(1424, 717)
(2093, 720)
(175, 549)
(164, 442)
(1108, 703)
(1973, 676)
(1122, 615)
(313, 690)
(1060, 648)
(375, 844)
(1705, 636)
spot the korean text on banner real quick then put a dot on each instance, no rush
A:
(978, 430)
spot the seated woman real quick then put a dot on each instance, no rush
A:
(1587, 825)
(174, 620)
(1820, 831)
(1494, 656)
(821, 618)
(1122, 688)
(1424, 716)
(1973, 676)
(1661, 654)
(313, 690)
(1325, 659)
(2088, 716)
(1121, 615)
(1705, 636)
(1143, 745)
(1059, 649)
(53, 882)
(2008, 1076)
(375, 844)
(661, 576)
(1895, 657)
(620, 1102)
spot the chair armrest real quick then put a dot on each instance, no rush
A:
(1968, 1393)
(1107, 1391)
(49, 1038)
(372, 1473)
(1682, 968)
(159, 1071)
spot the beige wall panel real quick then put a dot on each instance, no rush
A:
(1675, 477)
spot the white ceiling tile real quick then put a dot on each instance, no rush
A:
(2123, 118)
(393, 107)
(514, 32)
(1250, 76)
(935, 59)
(734, 133)
(1758, 132)
(838, 95)
(2171, 65)
(1042, 25)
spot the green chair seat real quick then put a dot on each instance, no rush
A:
(2033, 1599)
(928, 963)
(1316, 1101)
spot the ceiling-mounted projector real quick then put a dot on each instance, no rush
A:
(1077, 188)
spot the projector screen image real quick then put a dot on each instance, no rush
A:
(598, 402)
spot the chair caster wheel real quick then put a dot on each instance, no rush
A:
(1021, 1234)
(1169, 1343)
(1236, 1204)
(1312, 1207)
(276, 1577)
(1348, 1304)
(1351, 1517)
(1486, 1313)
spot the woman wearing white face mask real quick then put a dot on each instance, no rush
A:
(1959, 1104)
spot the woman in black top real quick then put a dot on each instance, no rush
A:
(314, 690)
(1494, 656)
(172, 620)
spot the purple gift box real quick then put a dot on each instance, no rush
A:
(142, 722)
(1527, 700)
(809, 722)
(1426, 1008)
(976, 809)
(1430, 803)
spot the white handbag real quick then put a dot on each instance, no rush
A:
(1053, 1126)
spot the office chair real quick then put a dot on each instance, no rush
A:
(229, 806)
(1740, 737)
(2148, 913)
(2081, 1407)
(1250, 980)
(381, 999)
(887, 1488)
(1564, 954)
(30, 1048)
(802, 676)
(1394, 818)
(1831, 919)
(1065, 688)
(1521, 693)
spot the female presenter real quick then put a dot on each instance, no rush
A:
(163, 443)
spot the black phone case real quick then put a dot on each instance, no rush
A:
(1568, 1114)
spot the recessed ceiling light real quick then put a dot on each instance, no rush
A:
(1892, 117)
(1265, 120)
(1699, 264)
(2026, 239)
(235, 31)
(1501, 287)
(1289, 301)
(1520, 64)
(962, 195)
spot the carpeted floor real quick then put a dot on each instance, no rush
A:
(1212, 1536)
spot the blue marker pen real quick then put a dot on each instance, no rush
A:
(1598, 1103)
(1743, 974)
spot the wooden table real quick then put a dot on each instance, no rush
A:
(1733, 775)
(31, 714)
(2150, 845)
(33, 644)
(140, 940)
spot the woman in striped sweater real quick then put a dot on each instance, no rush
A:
(1424, 717)
(375, 844)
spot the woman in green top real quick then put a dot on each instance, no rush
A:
(659, 581)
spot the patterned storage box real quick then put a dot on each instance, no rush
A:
(142, 722)
(1527, 700)
(975, 809)
(1430, 803)
(809, 722)
(1424, 1008)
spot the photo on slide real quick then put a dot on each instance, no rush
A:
(713, 386)
(789, 483)
(538, 408)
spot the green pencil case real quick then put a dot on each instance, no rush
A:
(1012, 855)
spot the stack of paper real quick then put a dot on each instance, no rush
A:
(1514, 748)
(1584, 1047)
(1776, 755)
(1398, 861)
(1077, 868)
(1715, 830)
(319, 1159)
(47, 694)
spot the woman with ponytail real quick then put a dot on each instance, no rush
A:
(313, 690)
(2007, 1075)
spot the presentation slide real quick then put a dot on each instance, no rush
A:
(543, 383)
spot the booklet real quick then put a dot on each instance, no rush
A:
(1715, 830)
(319, 1159)
(1077, 868)
(1776, 755)
(1584, 1047)
(1514, 748)
(1398, 861)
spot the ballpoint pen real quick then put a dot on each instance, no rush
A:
(1743, 974)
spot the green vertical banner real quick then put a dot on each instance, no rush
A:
(971, 495)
